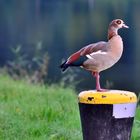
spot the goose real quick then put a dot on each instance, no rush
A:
(99, 56)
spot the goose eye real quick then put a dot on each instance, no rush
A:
(118, 22)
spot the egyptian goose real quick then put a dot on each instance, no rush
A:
(99, 56)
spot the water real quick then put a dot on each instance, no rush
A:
(63, 27)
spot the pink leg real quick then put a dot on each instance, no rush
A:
(97, 76)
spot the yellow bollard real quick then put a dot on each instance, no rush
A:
(107, 115)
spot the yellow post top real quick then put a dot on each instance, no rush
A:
(108, 97)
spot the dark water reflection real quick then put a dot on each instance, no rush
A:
(64, 27)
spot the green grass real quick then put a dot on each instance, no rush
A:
(136, 126)
(34, 112)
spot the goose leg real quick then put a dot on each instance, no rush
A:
(98, 86)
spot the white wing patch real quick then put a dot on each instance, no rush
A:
(89, 56)
(98, 52)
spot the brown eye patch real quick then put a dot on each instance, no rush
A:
(118, 22)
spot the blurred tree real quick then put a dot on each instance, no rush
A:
(34, 69)
(63, 27)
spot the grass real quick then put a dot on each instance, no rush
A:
(34, 112)
(136, 126)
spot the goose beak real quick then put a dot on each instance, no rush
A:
(125, 26)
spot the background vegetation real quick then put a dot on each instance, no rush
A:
(59, 28)
(34, 112)
(35, 37)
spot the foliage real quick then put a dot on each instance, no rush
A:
(37, 112)
(66, 26)
(136, 126)
(33, 112)
(33, 69)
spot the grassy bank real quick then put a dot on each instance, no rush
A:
(33, 112)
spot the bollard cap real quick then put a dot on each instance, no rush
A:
(109, 97)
